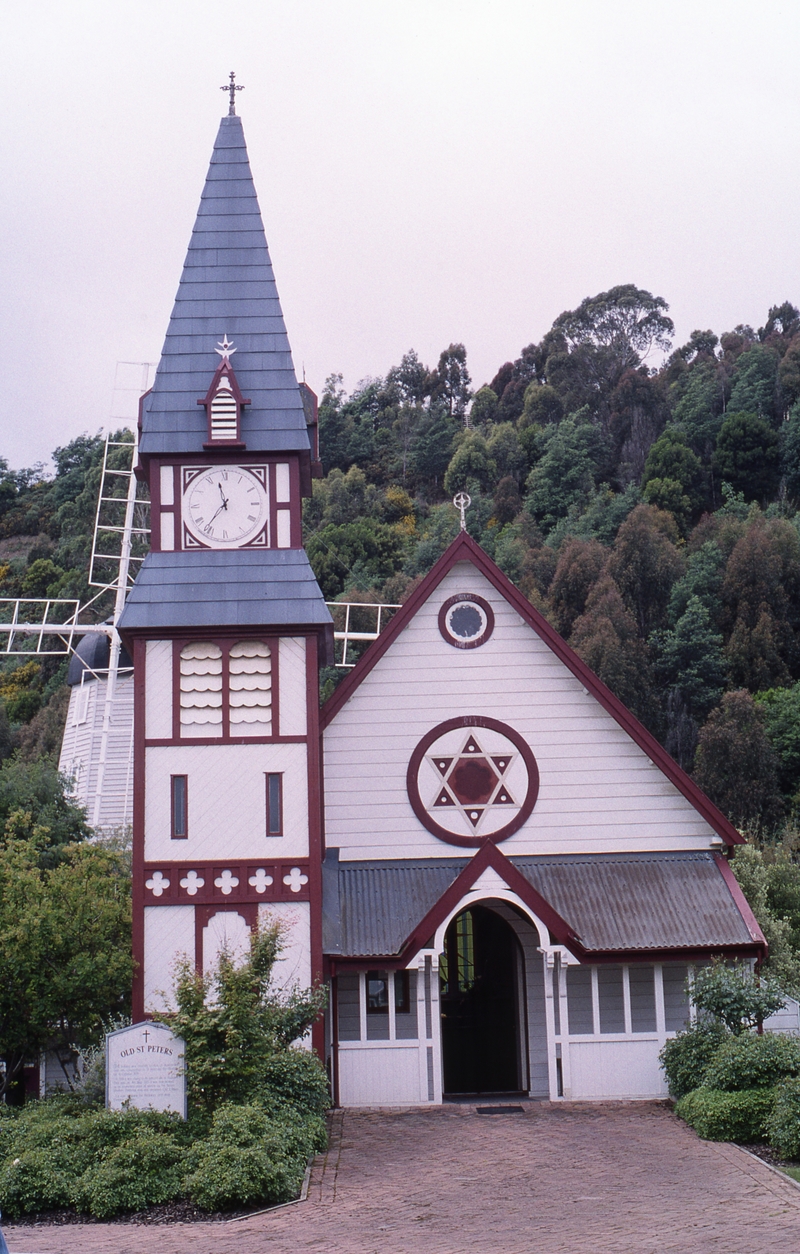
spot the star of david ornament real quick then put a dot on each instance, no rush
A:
(472, 779)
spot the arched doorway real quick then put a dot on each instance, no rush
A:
(480, 1003)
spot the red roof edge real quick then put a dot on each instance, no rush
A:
(490, 856)
(735, 889)
(464, 548)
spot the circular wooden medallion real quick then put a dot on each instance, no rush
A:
(466, 621)
(472, 779)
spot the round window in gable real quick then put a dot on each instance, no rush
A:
(466, 621)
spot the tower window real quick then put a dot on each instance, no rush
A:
(180, 791)
(250, 670)
(201, 690)
(274, 804)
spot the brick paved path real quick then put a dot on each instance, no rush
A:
(627, 1179)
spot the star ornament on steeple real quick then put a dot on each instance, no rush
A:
(225, 348)
(231, 88)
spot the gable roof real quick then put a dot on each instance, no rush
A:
(464, 548)
(601, 907)
(227, 288)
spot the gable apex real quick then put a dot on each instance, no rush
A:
(464, 548)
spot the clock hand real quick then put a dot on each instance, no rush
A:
(223, 506)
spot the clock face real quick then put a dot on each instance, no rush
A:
(225, 506)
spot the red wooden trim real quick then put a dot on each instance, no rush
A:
(242, 869)
(412, 786)
(154, 484)
(274, 685)
(177, 645)
(202, 916)
(295, 511)
(226, 689)
(185, 834)
(315, 805)
(272, 506)
(487, 856)
(139, 680)
(224, 740)
(224, 368)
(464, 548)
(742, 903)
(466, 598)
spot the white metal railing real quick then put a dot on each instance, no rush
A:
(348, 634)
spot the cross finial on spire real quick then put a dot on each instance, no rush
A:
(232, 87)
(462, 502)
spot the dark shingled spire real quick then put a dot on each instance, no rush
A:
(227, 288)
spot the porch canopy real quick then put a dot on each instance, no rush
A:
(601, 907)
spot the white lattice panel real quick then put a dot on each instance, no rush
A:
(250, 680)
(158, 694)
(201, 690)
(292, 679)
(227, 805)
(168, 935)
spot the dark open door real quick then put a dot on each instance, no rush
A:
(479, 1001)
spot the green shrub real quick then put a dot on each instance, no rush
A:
(43, 1178)
(783, 1128)
(143, 1171)
(753, 1062)
(250, 1157)
(721, 1116)
(686, 1057)
(296, 1077)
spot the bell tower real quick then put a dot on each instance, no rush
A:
(226, 623)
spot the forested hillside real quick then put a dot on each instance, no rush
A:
(649, 511)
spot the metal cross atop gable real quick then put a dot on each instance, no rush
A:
(232, 87)
(462, 502)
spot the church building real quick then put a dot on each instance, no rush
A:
(501, 876)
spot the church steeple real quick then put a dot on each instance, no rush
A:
(227, 289)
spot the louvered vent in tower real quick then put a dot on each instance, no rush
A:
(201, 690)
(250, 689)
(224, 416)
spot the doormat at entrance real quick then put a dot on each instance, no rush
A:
(499, 1110)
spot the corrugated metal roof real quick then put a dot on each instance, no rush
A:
(640, 901)
(629, 902)
(380, 903)
(227, 288)
(213, 588)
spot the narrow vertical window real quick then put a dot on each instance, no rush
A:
(180, 827)
(275, 805)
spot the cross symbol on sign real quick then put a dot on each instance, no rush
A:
(146, 1034)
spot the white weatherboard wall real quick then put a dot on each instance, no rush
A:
(227, 807)
(81, 749)
(292, 685)
(599, 792)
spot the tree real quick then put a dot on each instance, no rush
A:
(451, 381)
(580, 563)
(234, 1023)
(747, 455)
(701, 579)
(689, 658)
(698, 411)
(645, 564)
(670, 460)
(781, 713)
(542, 405)
(755, 383)
(471, 464)
(790, 447)
(362, 552)
(735, 996)
(737, 766)
(484, 407)
(37, 790)
(564, 476)
(65, 945)
(605, 637)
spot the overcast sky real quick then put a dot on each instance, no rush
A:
(429, 171)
